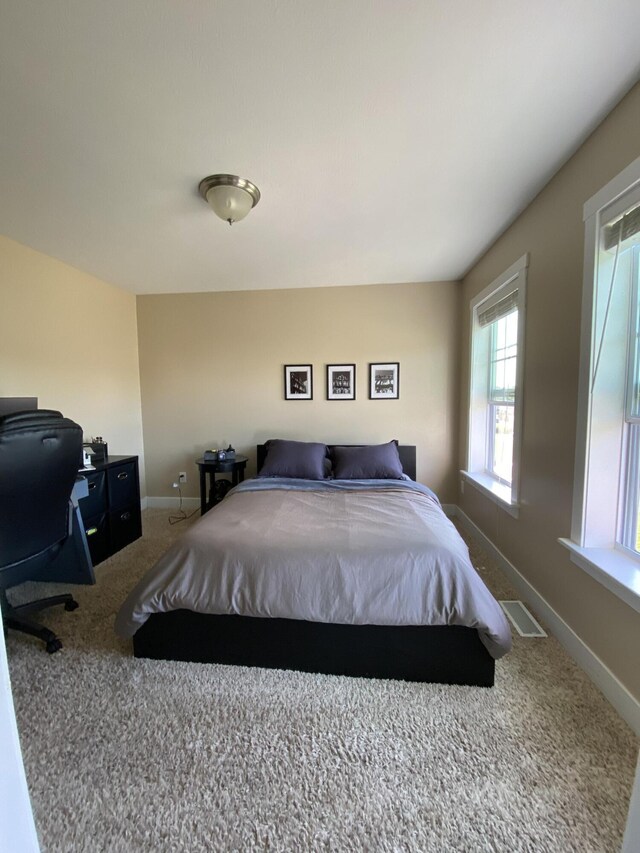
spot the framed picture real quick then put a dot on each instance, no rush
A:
(341, 382)
(384, 381)
(298, 382)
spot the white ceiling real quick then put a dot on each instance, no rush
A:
(392, 140)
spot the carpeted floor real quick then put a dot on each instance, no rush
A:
(134, 755)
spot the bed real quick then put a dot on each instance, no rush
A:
(346, 576)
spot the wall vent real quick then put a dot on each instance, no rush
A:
(522, 620)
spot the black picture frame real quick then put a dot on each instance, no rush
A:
(341, 382)
(298, 382)
(384, 380)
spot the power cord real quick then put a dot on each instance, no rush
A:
(182, 515)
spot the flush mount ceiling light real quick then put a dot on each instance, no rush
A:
(229, 196)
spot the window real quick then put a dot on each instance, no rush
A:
(497, 340)
(503, 359)
(630, 533)
(605, 534)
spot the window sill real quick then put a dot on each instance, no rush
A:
(495, 491)
(616, 571)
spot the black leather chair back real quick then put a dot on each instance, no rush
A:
(40, 454)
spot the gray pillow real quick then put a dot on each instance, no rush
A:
(370, 462)
(304, 460)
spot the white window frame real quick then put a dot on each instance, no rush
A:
(601, 444)
(476, 473)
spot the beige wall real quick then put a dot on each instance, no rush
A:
(211, 367)
(70, 340)
(551, 230)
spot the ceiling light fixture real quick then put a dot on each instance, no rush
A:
(229, 196)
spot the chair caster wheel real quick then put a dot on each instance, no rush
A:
(71, 605)
(54, 645)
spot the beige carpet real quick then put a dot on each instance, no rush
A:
(133, 755)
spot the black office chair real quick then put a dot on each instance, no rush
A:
(40, 453)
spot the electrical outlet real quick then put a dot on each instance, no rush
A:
(182, 477)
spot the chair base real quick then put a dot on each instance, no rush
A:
(14, 619)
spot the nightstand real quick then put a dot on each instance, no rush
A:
(216, 492)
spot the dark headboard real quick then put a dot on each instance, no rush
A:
(407, 453)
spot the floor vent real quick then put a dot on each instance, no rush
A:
(522, 620)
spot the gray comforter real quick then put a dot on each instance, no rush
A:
(370, 552)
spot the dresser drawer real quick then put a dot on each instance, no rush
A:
(96, 500)
(97, 532)
(124, 526)
(123, 486)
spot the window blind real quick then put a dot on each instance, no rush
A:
(626, 227)
(496, 308)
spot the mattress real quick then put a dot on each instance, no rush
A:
(367, 552)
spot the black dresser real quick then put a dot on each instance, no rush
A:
(111, 510)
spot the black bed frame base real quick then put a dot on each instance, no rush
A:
(447, 654)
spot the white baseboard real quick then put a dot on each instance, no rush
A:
(172, 503)
(625, 704)
(143, 503)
